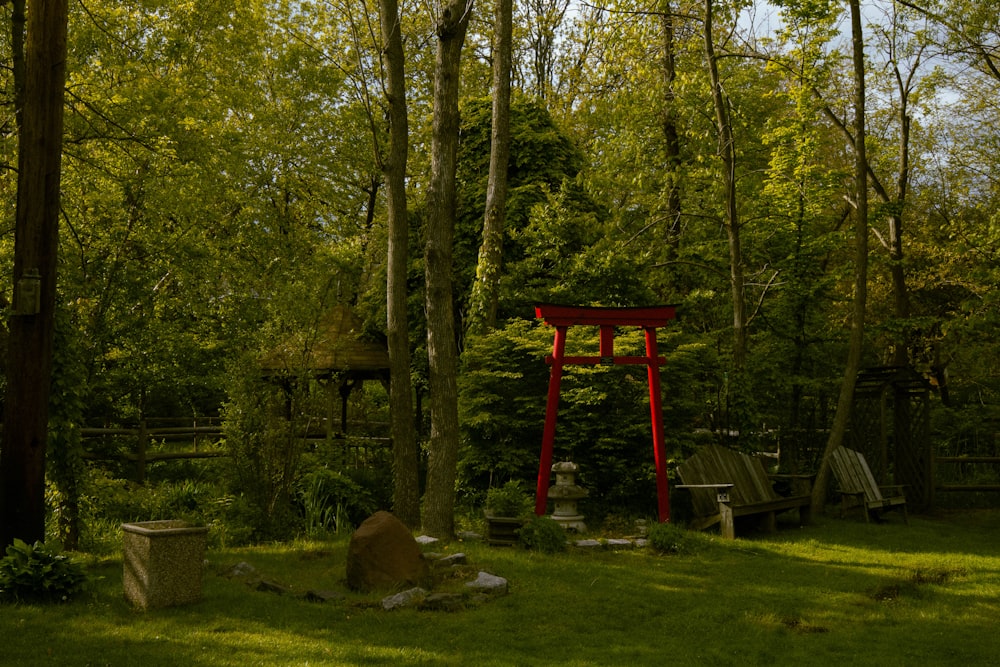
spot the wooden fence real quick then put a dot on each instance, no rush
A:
(201, 441)
(962, 460)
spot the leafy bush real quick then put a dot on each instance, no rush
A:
(668, 538)
(543, 534)
(39, 572)
(261, 424)
(507, 500)
(333, 502)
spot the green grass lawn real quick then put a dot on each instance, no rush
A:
(835, 592)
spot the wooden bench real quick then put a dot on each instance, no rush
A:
(858, 488)
(726, 484)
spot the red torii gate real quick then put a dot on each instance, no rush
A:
(562, 317)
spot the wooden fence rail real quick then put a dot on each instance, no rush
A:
(947, 488)
(358, 451)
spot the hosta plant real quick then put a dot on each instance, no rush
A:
(39, 573)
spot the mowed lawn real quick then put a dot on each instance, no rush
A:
(836, 592)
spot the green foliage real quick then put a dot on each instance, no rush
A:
(542, 533)
(332, 503)
(569, 252)
(502, 403)
(65, 465)
(669, 538)
(262, 429)
(220, 190)
(39, 573)
(603, 416)
(508, 500)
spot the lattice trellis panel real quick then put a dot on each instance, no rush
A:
(890, 425)
(912, 451)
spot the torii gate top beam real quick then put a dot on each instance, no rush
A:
(641, 316)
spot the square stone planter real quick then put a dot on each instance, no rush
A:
(163, 562)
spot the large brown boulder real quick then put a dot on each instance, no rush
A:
(383, 555)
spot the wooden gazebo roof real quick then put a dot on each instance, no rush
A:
(340, 347)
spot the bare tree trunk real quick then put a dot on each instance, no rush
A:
(727, 151)
(843, 413)
(442, 350)
(36, 239)
(671, 134)
(901, 296)
(544, 19)
(405, 459)
(483, 308)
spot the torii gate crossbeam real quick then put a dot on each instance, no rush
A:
(649, 319)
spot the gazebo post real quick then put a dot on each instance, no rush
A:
(551, 414)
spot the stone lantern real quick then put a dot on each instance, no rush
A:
(565, 495)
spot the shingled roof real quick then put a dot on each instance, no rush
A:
(340, 347)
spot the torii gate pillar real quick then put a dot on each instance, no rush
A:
(649, 319)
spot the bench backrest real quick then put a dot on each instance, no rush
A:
(853, 474)
(714, 464)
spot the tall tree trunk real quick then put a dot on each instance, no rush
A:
(405, 459)
(901, 296)
(738, 392)
(483, 309)
(442, 350)
(17, 24)
(843, 413)
(671, 134)
(36, 238)
(727, 151)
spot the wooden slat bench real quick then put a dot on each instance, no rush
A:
(726, 484)
(857, 486)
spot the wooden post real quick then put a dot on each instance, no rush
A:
(140, 455)
(36, 240)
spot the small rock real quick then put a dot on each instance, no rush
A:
(241, 569)
(443, 602)
(407, 598)
(489, 583)
(323, 596)
(616, 543)
(468, 535)
(425, 540)
(268, 586)
(587, 544)
(452, 560)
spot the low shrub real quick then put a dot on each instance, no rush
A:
(507, 500)
(543, 534)
(40, 573)
(333, 503)
(669, 538)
